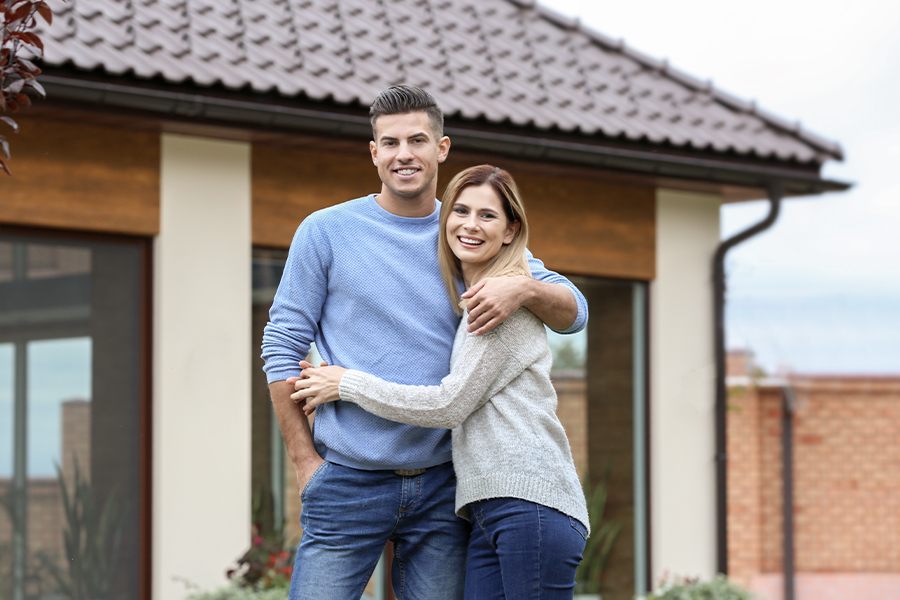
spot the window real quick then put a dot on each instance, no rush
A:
(276, 500)
(600, 375)
(73, 459)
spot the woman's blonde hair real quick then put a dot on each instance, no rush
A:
(511, 259)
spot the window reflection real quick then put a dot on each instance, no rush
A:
(70, 403)
(598, 375)
(276, 504)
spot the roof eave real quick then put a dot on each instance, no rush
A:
(283, 117)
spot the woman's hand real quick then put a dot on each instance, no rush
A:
(317, 385)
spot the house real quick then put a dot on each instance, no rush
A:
(155, 191)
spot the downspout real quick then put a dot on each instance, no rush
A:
(775, 196)
(787, 482)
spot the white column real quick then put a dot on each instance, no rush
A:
(201, 363)
(682, 386)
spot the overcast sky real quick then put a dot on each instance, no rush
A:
(820, 291)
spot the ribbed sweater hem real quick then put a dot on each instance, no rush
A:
(524, 487)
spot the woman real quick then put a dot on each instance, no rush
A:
(516, 481)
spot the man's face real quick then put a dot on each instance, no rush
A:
(407, 153)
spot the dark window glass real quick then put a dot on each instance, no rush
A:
(599, 375)
(71, 397)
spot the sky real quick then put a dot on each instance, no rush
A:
(820, 291)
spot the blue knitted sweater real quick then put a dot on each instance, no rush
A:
(364, 285)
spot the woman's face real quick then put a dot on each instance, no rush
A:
(477, 228)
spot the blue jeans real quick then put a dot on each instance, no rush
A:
(349, 515)
(520, 550)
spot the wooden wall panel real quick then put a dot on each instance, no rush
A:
(591, 228)
(289, 183)
(82, 177)
(580, 225)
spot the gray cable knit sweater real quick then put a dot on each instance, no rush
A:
(501, 405)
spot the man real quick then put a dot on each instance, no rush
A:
(362, 281)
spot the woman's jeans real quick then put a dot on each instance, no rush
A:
(519, 549)
(348, 515)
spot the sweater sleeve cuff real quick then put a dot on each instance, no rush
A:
(351, 382)
(281, 374)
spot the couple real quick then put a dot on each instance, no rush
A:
(368, 281)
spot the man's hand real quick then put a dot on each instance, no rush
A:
(305, 471)
(493, 300)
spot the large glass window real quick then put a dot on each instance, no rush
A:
(72, 382)
(276, 504)
(600, 376)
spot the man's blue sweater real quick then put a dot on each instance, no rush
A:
(364, 285)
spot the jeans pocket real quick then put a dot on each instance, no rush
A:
(577, 526)
(314, 477)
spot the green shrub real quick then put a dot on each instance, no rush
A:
(720, 588)
(236, 592)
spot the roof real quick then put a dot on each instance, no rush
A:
(502, 61)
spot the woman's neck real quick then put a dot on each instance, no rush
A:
(469, 273)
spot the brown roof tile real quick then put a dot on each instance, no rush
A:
(501, 60)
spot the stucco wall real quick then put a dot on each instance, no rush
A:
(201, 383)
(682, 391)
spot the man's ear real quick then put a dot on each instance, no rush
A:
(373, 150)
(443, 148)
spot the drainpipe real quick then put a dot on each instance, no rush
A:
(775, 196)
(787, 481)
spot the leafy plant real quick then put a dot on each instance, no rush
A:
(17, 18)
(264, 566)
(92, 539)
(235, 592)
(685, 588)
(267, 564)
(589, 576)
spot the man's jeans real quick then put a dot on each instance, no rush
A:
(348, 515)
(521, 550)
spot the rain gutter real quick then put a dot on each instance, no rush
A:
(775, 196)
(283, 117)
(787, 483)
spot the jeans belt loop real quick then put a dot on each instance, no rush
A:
(409, 472)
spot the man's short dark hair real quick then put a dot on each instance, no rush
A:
(403, 99)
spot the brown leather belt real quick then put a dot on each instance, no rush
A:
(409, 472)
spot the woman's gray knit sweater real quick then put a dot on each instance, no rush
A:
(501, 405)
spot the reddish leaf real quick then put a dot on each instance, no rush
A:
(23, 99)
(32, 83)
(35, 40)
(15, 87)
(30, 66)
(20, 12)
(45, 12)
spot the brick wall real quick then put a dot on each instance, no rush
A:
(846, 477)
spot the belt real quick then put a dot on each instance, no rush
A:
(409, 472)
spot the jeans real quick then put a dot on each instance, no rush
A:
(520, 550)
(348, 515)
